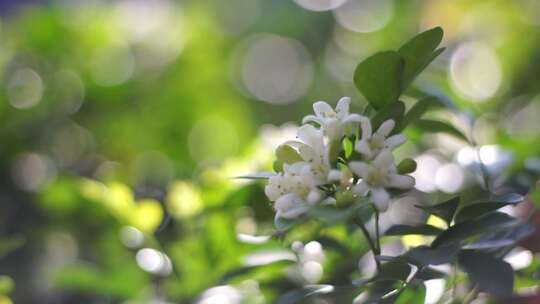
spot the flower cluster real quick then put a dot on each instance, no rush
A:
(318, 167)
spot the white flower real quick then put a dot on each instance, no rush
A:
(372, 143)
(294, 190)
(378, 175)
(334, 123)
(314, 151)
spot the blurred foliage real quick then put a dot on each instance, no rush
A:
(124, 122)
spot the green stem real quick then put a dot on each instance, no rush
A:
(471, 295)
(377, 234)
(376, 252)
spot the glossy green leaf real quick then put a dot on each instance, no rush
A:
(419, 52)
(406, 230)
(437, 126)
(283, 224)
(394, 111)
(424, 255)
(429, 273)
(490, 274)
(444, 210)
(397, 269)
(296, 296)
(379, 78)
(461, 231)
(477, 209)
(503, 238)
(418, 110)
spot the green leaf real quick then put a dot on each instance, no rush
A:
(379, 77)
(424, 255)
(419, 52)
(491, 275)
(444, 210)
(412, 295)
(503, 238)
(331, 215)
(477, 209)
(408, 165)
(428, 273)
(418, 110)
(348, 147)
(283, 224)
(392, 111)
(380, 291)
(461, 231)
(296, 296)
(437, 126)
(405, 230)
(396, 269)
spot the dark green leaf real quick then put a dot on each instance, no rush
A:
(8, 245)
(379, 77)
(405, 230)
(244, 270)
(503, 238)
(397, 269)
(424, 255)
(380, 290)
(418, 110)
(412, 295)
(464, 230)
(443, 210)
(331, 215)
(479, 208)
(392, 111)
(437, 126)
(419, 52)
(491, 275)
(296, 296)
(428, 273)
(408, 165)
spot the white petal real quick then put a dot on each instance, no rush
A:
(360, 188)
(312, 118)
(386, 128)
(334, 175)
(323, 109)
(353, 118)
(342, 107)
(286, 201)
(394, 141)
(380, 198)
(363, 148)
(384, 160)
(314, 197)
(365, 124)
(400, 181)
(359, 168)
(310, 135)
(334, 129)
(308, 154)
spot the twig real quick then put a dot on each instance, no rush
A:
(374, 249)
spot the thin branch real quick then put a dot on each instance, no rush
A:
(372, 245)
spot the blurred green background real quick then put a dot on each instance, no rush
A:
(122, 123)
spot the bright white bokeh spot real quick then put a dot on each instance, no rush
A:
(449, 178)
(364, 16)
(312, 271)
(153, 261)
(426, 170)
(319, 5)
(131, 237)
(475, 71)
(434, 290)
(276, 69)
(24, 88)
